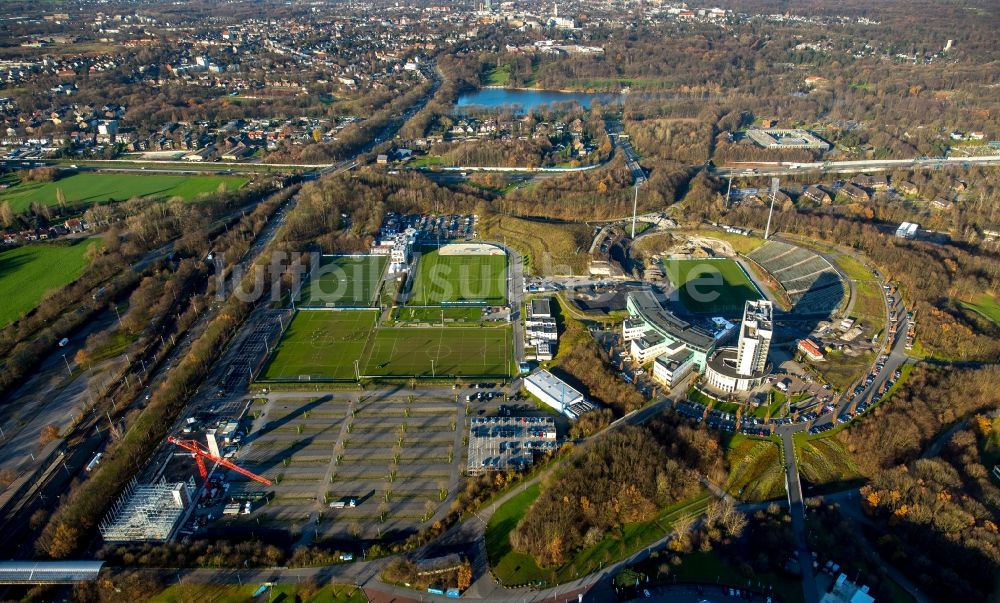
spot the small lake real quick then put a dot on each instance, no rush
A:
(527, 100)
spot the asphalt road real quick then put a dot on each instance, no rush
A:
(783, 168)
(797, 510)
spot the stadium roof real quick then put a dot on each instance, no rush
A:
(48, 572)
(669, 325)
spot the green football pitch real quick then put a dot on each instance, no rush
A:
(321, 344)
(344, 281)
(459, 278)
(711, 286)
(440, 351)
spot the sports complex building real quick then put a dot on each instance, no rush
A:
(742, 368)
(558, 394)
(812, 284)
(654, 331)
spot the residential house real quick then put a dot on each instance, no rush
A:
(237, 152)
(941, 203)
(855, 193)
(817, 195)
(877, 182)
(75, 225)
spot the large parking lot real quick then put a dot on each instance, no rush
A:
(431, 227)
(396, 458)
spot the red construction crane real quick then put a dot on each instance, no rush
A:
(201, 453)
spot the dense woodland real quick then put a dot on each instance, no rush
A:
(898, 431)
(938, 513)
(586, 366)
(622, 477)
(941, 517)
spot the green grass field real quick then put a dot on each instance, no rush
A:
(990, 445)
(986, 305)
(321, 344)
(824, 460)
(869, 304)
(459, 278)
(232, 593)
(508, 565)
(28, 272)
(90, 188)
(344, 281)
(774, 407)
(716, 286)
(455, 351)
(755, 472)
(499, 76)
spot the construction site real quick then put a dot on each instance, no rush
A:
(148, 512)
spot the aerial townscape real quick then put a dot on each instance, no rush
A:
(316, 301)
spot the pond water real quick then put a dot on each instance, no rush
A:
(526, 100)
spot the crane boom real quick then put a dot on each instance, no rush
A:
(201, 453)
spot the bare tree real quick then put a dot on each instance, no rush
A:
(733, 520)
(6, 214)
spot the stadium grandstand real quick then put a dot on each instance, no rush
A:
(812, 284)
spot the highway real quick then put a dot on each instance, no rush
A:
(785, 168)
(614, 129)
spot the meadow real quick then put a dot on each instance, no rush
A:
(27, 273)
(89, 188)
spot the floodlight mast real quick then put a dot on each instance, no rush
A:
(774, 193)
(635, 207)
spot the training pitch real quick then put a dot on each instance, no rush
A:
(444, 278)
(321, 344)
(711, 286)
(344, 281)
(440, 352)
